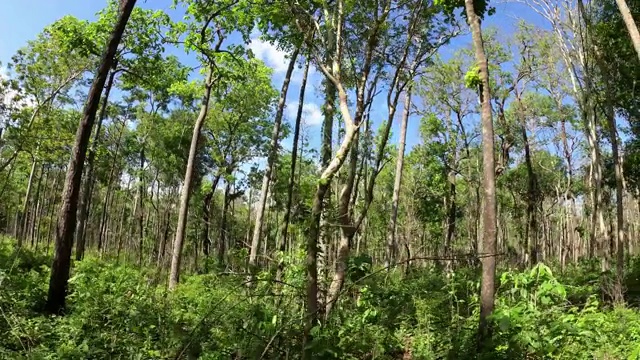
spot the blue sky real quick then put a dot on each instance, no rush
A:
(24, 19)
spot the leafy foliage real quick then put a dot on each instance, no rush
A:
(120, 311)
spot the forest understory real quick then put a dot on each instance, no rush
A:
(326, 179)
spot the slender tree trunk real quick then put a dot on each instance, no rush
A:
(222, 241)
(107, 196)
(284, 233)
(165, 238)
(52, 204)
(42, 204)
(487, 289)
(36, 213)
(67, 220)
(206, 216)
(347, 229)
(176, 257)
(392, 247)
(23, 218)
(325, 158)
(314, 229)
(532, 199)
(271, 159)
(630, 23)
(87, 188)
(140, 215)
(619, 235)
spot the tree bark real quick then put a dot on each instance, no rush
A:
(284, 233)
(67, 219)
(206, 216)
(24, 219)
(487, 289)
(392, 247)
(271, 159)
(531, 228)
(107, 196)
(42, 201)
(165, 238)
(87, 188)
(222, 241)
(630, 23)
(619, 235)
(176, 256)
(140, 215)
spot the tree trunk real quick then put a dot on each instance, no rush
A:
(42, 203)
(630, 23)
(284, 233)
(347, 229)
(619, 235)
(105, 203)
(67, 219)
(176, 256)
(52, 204)
(392, 247)
(87, 188)
(314, 229)
(487, 289)
(24, 219)
(325, 158)
(271, 159)
(36, 213)
(140, 215)
(206, 216)
(531, 228)
(165, 238)
(222, 241)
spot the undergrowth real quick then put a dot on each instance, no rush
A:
(118, 311)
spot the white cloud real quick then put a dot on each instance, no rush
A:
(311, 113)
(270, 54)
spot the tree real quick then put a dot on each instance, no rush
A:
(207, 43)
(631, 25)
(67, 219)
(271, 158)
(138, 60)
(487, 288)
(391, 231)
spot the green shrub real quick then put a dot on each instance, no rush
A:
(120, 311)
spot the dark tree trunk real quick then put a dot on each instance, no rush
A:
(531, 235)
(105, 203)
(23, 218)
(87, 188)
(206, 216)
(38, 202)
(165, 238)
(284, 233)
(273, 153)
(67, 219)
(222, 242)
(141, 192)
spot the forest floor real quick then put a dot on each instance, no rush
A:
(119, 311)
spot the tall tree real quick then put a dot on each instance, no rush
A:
(67, 219)
(206, 31)
(488, 253)
(271, 159)
(395, 198)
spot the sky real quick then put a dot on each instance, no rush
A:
(22, 20)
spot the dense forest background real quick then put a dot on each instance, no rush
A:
(378, 179)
